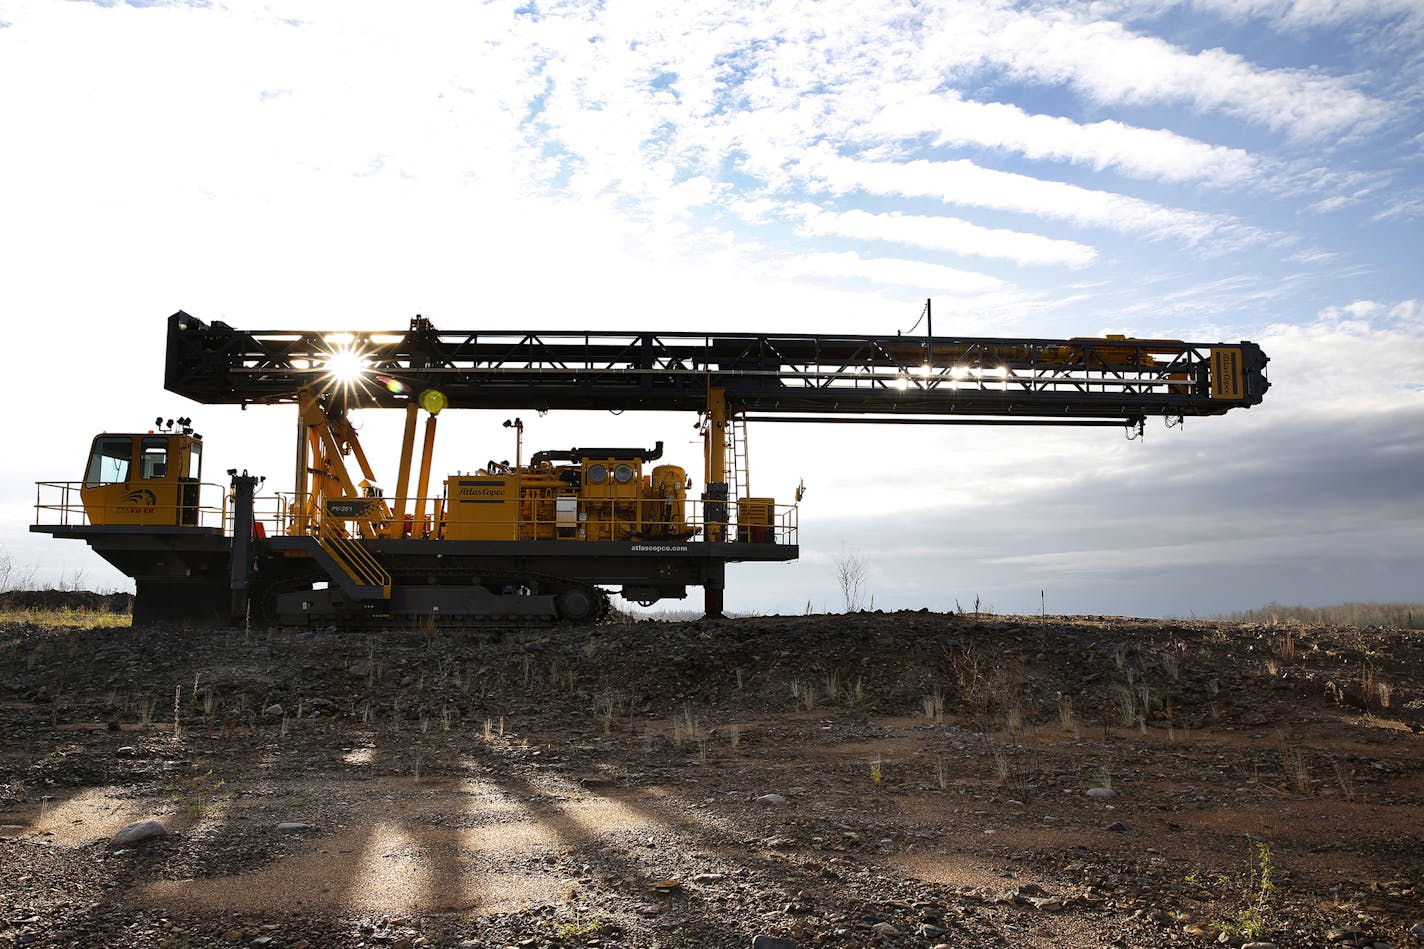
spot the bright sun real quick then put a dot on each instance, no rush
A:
(346, 366)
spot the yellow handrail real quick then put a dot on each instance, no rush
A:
(355, 560)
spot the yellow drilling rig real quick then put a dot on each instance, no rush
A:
(544, 539)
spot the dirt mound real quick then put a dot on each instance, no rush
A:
(67, 600)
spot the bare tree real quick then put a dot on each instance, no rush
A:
(850, 574)
(14, 578)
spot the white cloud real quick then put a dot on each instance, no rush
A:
(1405, 207)
(1131, 151)
(1111, 64)
(754, 210)
(1360, 309)
(608, 105)
(892, 271)
(1332, 203)
(943, 233)
(1354, 360)
(1305, 13)
(1313, 256)
(1237, 296)
(965, 183)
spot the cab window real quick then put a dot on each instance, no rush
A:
(110, 460)
(195, 460)
(153, 462)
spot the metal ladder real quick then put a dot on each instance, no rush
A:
(739, 481)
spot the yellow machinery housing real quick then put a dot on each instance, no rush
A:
(605, 498)
(756, 520)
(480, 508)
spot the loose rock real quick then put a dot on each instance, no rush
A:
(138, 832)
(772, 942)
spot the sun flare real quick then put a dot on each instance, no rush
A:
(346, 366)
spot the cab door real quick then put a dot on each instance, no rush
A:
(185, 464)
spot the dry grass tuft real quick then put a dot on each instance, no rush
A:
(1369, 680)
(1344, 778)
(1014, 718)
(1126, 708)
(1066, 719)
(1295, 767)
(1003, 767)
(1384, 693)
(933, 705)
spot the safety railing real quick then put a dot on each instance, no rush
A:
(272, 516)
(193, 504)
(61, 503)
(716, 521)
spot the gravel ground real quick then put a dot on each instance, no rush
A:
(895, 780)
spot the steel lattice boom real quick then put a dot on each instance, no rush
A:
(778, 376)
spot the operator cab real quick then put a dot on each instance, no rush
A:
(144, 479)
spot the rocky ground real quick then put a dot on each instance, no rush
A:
(895, 780)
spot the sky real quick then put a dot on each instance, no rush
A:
(1205, 170)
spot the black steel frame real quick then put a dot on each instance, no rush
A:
(1073, 381)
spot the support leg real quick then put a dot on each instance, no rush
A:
(712, 602)
(714, 585)
(244, 490)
